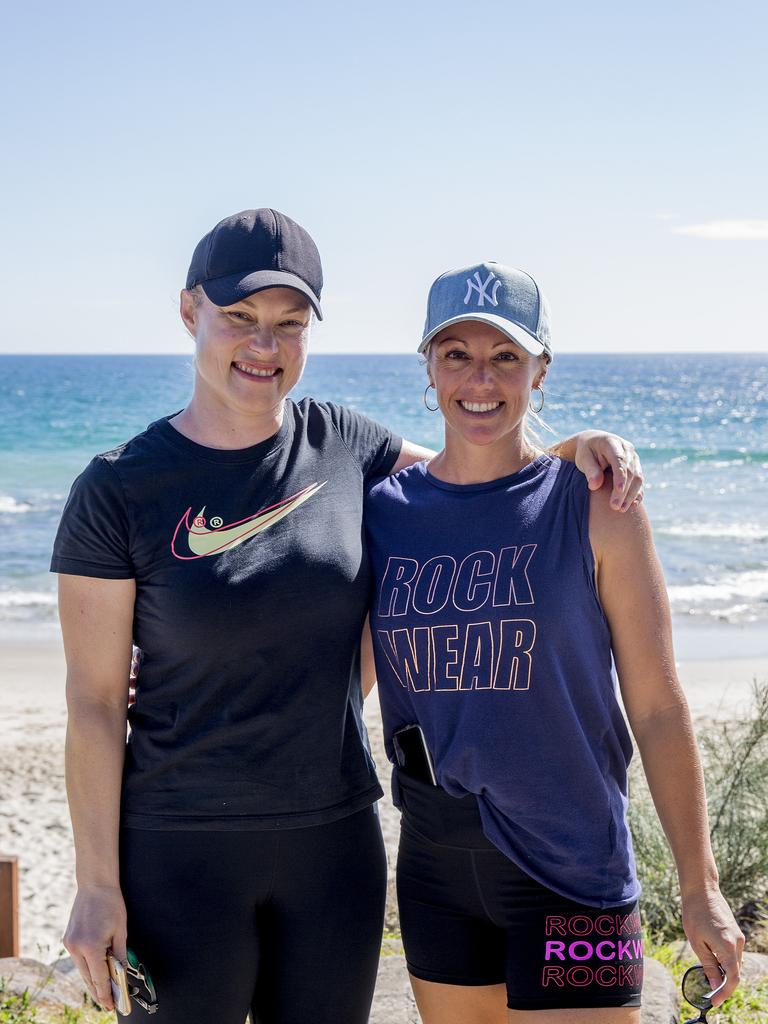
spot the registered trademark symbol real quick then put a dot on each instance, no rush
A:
(199, 521)
(216, 522)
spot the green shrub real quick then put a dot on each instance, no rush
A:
(735, 760)
(15, 1009)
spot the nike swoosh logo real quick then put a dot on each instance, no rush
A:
(204, 542)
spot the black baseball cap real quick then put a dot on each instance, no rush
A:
(254, 250)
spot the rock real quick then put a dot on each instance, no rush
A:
(660, 997)
(754, 968)
(393, 1002)
(47, 986)
(66, 965)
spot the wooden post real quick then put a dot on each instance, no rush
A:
(9, 906)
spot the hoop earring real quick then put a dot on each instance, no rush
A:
(541, 406)
(426, 389)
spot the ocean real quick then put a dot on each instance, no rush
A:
(700, 423)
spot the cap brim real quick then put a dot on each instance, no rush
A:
(520, 335)
(226, 291)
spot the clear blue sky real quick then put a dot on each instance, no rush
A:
(616, 151)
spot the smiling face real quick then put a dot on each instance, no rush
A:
(483, 383)
(249, 355)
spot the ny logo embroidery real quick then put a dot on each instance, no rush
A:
(481, 287)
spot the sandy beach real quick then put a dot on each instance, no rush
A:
(34, 825)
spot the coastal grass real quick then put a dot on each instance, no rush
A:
(735, 761)
(25, 1009)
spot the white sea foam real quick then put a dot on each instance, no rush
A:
(10, 506)
(724, 531)
(734, 598)
(26, 599)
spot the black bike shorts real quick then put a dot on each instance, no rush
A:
(470, 916)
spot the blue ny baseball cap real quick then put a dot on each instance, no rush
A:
(508, 299)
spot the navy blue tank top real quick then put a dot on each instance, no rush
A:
(489, 633)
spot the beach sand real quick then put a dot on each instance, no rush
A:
(34, 824)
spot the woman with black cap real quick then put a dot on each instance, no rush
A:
(233, 842)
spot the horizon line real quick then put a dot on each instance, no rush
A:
(576, 352)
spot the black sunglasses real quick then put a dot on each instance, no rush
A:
(698, 991)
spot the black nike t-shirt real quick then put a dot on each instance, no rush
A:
(251, 590)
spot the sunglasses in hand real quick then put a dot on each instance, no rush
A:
(698, 991)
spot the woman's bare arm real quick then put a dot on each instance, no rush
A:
(634, 598)
(96, 621)
(410, 453)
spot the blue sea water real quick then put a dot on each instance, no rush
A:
(700, 423)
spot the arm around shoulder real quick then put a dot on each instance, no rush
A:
(595, 452)
(411, 453)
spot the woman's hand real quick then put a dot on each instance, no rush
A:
(597, 451)
(715, 937)
(97, 923)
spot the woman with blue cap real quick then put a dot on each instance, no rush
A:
(503, 589)
(233, 842)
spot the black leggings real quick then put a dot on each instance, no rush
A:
(284, 924)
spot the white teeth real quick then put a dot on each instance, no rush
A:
(254, 372)
(479, 406)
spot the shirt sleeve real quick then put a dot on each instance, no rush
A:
(92, 539)
(373, 447)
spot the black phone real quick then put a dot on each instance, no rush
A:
(413, 755)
